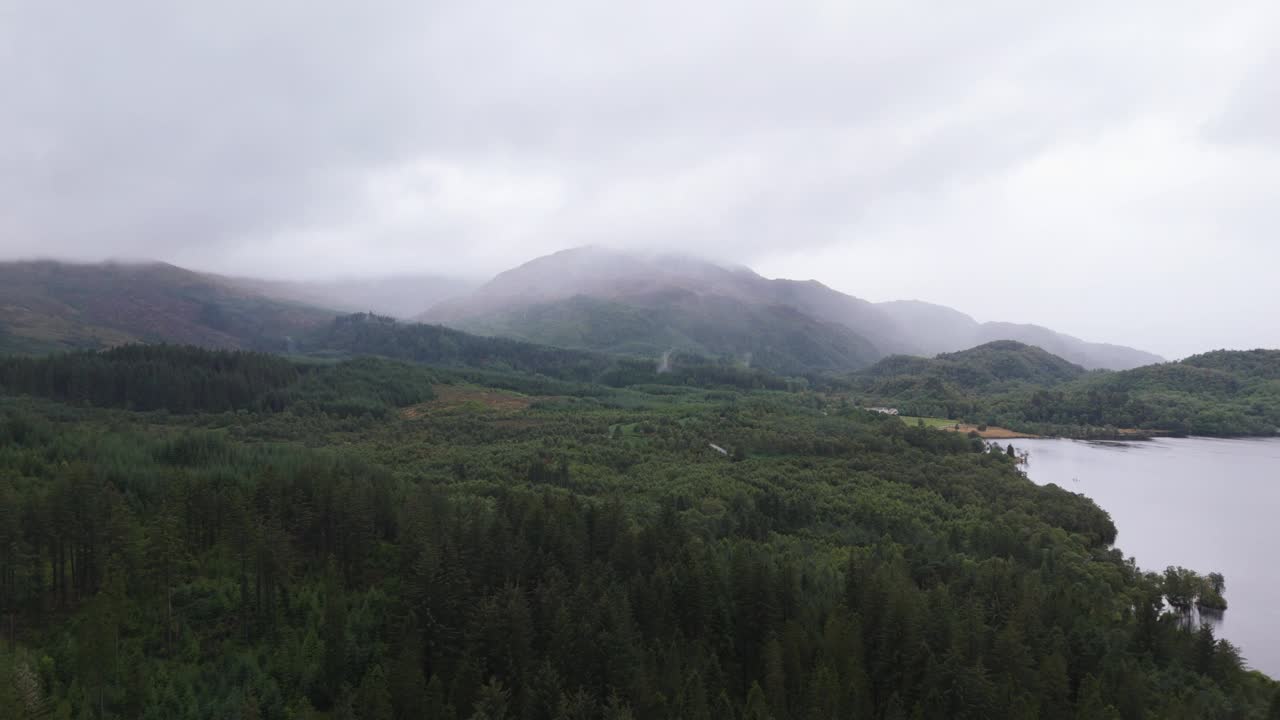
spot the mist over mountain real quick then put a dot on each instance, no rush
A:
(937, 329)
(675, 300)
(47, 306)
(589, 298)
(398, 296)
(602, 299)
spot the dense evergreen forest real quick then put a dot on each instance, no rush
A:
(1223, 393)
(366, 334)
(196, 534)
(772, 336)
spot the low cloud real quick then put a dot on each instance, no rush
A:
(995, 156)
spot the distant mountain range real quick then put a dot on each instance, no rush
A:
(609, 300)
(586, 298)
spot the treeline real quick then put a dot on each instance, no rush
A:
(150, 377)
(1224, 393)
(1178, 398)
(182, 379)
(367, 334)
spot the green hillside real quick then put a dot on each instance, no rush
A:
(776, 338)
(239, 545)
(956, 385)
(47, 306)
(1222, 393)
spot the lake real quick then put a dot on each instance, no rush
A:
(1205, 504)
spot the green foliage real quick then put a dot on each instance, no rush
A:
(365, 334)
(151, 377)
(585, 554)
(190, 380)
(775, 337)
(1223, 393)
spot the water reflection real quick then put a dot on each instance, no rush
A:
(1200, 503)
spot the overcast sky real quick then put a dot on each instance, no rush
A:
(1111, 170)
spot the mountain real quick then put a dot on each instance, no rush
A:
(585, 298)
(398, 296)
(775, 337)
(936, 329)
(604, 299)
(47, 305)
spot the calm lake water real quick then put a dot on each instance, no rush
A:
(1208, 505)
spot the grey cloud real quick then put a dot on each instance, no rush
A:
(317, 138)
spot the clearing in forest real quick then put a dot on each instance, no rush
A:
(991, 432)
(459, 397)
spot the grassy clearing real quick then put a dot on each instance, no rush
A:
(929, 421)
(990, 432)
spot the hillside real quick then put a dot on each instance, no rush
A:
(46, 306)
(937, 329)
(364, 334)
(1225, 393)
(779, 338)
(374, 539)
(953, 385)
(584, 297)
(605, 300)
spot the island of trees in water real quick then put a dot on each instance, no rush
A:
(195, 534)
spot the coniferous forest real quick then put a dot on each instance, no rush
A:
(1226, 393)
(198, 534)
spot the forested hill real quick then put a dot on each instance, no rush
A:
(187, 380)
(955, 385)
(48, 306)
(776, 338)
(586, 298)
(457, 549)
(366, 334)
(612, 300)
(992, 364)
(1223, 393)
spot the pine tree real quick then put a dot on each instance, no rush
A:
(333, 632)
(724, 707)
(757, 707)
(579, 705)
(344, 703)
(1090, 705)
(407, 684)
(373, 699)
(616, 709)
(775, 678)
(491, 701)
(436, 706)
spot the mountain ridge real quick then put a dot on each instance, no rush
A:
(588, 298)
(896, 327)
